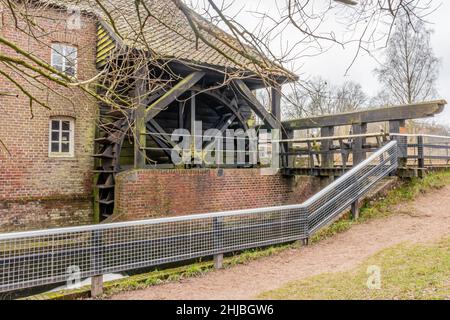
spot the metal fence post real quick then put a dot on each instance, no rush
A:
(218, 241)
(96, 262)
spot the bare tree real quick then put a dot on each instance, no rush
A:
(31, 75)
(410, 70)
(318, 97)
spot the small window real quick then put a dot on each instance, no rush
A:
(61, 138)
(64, 59)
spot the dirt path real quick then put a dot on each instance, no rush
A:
(425, 219)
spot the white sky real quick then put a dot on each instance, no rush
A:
(332, 64)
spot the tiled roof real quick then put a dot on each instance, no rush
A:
(167, 32)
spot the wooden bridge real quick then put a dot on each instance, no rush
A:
(329, 155)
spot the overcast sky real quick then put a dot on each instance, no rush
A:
(332, 64)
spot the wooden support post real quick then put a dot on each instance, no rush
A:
(358, 153)
(140, 138)
(96, 286)
(355, 210)
(398, 126)
(327, 158)
(420, 153)
(196, 132)
(288, 160)
(97, 263)
(275, 110)
(275, 106)
(181, 115)
(218, 241)
(420, 156)
(218, 261)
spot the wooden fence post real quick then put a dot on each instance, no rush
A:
(358, 153)
(96, 286)
(398, 126)
(327, 154)
(218, 241)
(420, 156)
(96, 264)
(355, 210)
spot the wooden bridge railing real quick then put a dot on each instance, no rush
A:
(415, 151)
(352, 148)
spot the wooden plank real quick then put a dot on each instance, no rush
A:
(410, 111)
(256, 106)
(366, 135)
(181, 87)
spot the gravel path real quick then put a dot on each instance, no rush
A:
(426, 218)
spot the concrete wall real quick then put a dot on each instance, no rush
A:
(159, 193)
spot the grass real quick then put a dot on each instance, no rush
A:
(371, 210)
(382, 207)
(407, 272)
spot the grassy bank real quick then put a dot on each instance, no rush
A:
(407, 271)
(406, 192)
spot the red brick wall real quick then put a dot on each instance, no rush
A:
(154, 193)
(28, 173)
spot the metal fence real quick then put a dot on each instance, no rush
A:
(422, 150)
(42, 257)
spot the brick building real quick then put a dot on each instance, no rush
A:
(48, 175)
(40, 186)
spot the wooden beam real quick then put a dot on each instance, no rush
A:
(225, 101)
(162, 133)
(256, 106)
(276, 102)
(221, 125)
(139, 119)
(409, 111)
(162, 139)
(181, 87)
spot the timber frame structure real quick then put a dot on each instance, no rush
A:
(138, 134)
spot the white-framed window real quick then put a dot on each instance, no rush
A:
(64, 58)
(61, 137)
